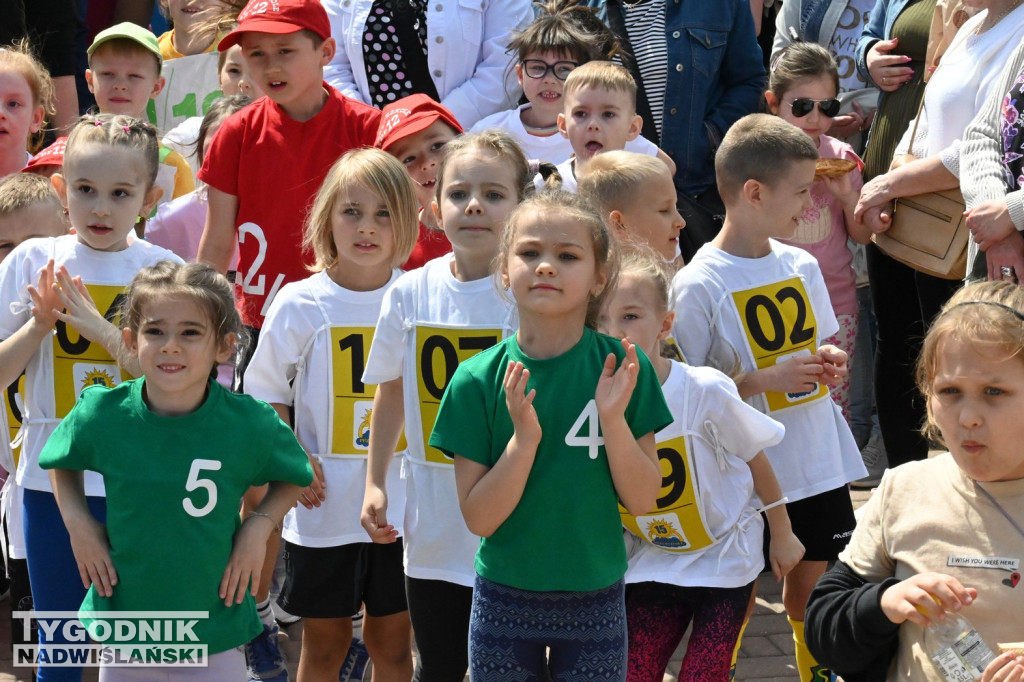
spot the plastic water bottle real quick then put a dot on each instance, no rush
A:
(957, 649)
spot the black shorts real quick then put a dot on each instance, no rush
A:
(334, 582)
(822, 522)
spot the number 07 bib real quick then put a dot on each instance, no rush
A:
(778, 323)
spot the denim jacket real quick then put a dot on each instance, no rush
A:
(879, 27)
(715, 77)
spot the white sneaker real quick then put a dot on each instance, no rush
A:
(875, 460)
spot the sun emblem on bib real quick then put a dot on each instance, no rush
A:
(363, 432)
(662, 533)
(98, 377)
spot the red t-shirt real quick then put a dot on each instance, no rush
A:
(429, 245)
(275, 165)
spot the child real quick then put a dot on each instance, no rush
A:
(178, 225)
(637, 196)
(48, 160)
(26, 98)
(29, 208)
(317, 331)
(558, 435)
(302, 127)
(802, 90)
(124, 75)
(110, 168)
(189, 34)
(415, 130)
(563, 36)
(432, 319)
(747, 299)
(696, 555)
(599, 115)
(203, 447)
(943, 534)
(235, 79)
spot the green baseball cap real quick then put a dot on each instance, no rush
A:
(133, 32)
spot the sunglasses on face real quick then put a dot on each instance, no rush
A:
(538, 68)
(802, 106)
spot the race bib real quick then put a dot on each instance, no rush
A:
(778, 323)
(677, 522)
(353, 400)
(77, 362)
(191, 85)
(14, 403)
(439, 350)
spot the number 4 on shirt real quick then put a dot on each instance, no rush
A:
(588, 422)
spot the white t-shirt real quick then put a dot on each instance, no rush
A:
(567, 170)
(783, 296)
(65, 362)
(550, 148)
(311, 353)
(722, 433)
(430, 314)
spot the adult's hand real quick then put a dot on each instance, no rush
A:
(989, 223)
(888, 71)
(1007, 253)
(875, 193)
(851, 123)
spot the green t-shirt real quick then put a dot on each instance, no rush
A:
(173, 490)
(565, 533)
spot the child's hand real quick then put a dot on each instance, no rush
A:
(79, 309)
(785, 553)
(92, 552)
(990, 223)
(797, 374)
(1005, 668)
(46, 299)
(246, 561)
(315, 493)
(878, 219)
(834, 365)
(843, 187)
(615, 387)
(374, 516)
(519, 402)
(925, 598)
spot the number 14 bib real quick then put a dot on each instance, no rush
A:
(778, 323)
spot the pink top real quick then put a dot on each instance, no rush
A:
(822, 232)
(178, 226)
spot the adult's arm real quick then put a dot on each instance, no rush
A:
(339, 72)
(741, 74)
(787, 20)
(845, 626)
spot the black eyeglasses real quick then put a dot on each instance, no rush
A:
(802, 106)
(538, 68)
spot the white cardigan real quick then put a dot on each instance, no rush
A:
(466, 52)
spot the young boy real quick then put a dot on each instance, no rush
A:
(415, 130)
(746, 299)
(263, 169)
(124, 75)
(29, 208)
(599, 115)
(636, 194)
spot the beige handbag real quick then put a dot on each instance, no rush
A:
(928, 232)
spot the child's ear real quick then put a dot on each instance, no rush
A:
(772, 101)
(88, 81)
(158, 86)
(617, 224)
(61, 185)
(752, 191)
(227, 347)
(152, 196)
(327, 50)
(38, 115)
(561, 126)
(519, 73)
(130, 341)
(600, 281)
(436, 210)
(666, 325)
(635, 126)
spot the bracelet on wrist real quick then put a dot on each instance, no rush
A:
(277, 526)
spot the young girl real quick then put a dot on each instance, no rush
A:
(942, 535)
(203, 446)
(178, 224)
(802, 90)
(563, 36)
(696, 554)
(107, 183)
(558, 435)
(190, 34)
(310, 358)
(432, 319)
(26, 99)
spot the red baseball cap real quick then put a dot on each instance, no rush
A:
(50, 156)
(409, 116)
(279, 17)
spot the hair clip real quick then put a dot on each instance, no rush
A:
(97, 123)
(126, 128)
(1018, 314)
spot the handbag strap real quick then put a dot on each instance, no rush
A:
(413, 54)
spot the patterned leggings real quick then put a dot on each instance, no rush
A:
(658, 615)
(845, 339)
(510, 629)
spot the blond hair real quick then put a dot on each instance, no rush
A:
(612, 180)
(759, 147)
(600, 74)
(378, 172)
(20, 57)
(21, 190)
(494, 141)
(982, 313)
(118, 131)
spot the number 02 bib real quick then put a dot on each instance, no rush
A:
(77, 362)
(439, 350)
(778, 323)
